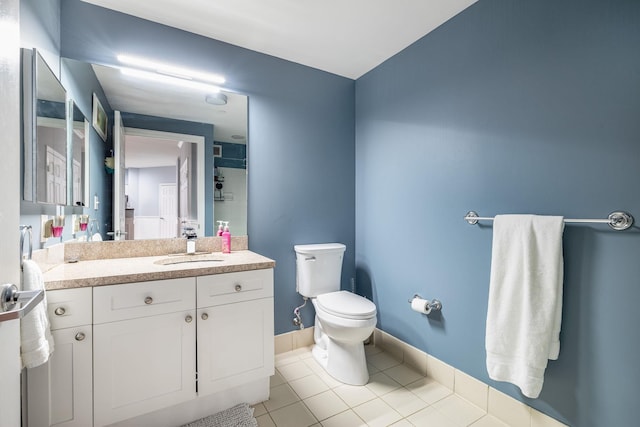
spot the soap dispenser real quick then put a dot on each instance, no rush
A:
(226, 239)
(220, 228)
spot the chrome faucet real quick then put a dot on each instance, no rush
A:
(190, 234)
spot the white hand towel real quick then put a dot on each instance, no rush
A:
(525, 299)
(35, 331)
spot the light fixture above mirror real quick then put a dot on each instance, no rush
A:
(171, 74)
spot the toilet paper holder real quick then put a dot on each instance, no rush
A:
(429, 305)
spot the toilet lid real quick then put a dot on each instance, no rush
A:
(346, 304)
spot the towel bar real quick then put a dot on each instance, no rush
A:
(617, 220)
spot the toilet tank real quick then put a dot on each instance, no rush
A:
(318, 268)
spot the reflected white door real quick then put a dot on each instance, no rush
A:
(168, 211)
(56, 179)
(10, 206)
(184, 190)
(118, 178)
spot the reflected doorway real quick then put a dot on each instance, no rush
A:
(162, 184)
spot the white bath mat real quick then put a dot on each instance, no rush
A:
(238, 416)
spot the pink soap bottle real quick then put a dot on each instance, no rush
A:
(220, 228)
(226, 239)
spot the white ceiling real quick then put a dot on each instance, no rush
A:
(344, 37)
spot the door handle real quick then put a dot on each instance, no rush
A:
(10, 297)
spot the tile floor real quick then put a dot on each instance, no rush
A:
(303, 394)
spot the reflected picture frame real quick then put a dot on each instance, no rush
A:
(217, 150)
(99, 120)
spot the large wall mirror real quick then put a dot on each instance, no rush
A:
(45, 132)
(184, 155)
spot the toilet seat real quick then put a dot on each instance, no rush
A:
(346, 305)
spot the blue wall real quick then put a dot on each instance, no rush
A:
(301, 147)
(510, 107)
(40, 28)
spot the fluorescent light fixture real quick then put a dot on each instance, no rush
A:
(191, 84)
(170, 70)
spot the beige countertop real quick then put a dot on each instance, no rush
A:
(140, 269)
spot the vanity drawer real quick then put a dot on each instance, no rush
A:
(134, 300)
(228, 288)
(69, 307)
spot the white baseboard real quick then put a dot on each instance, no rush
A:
(502, 406)
(293, 340)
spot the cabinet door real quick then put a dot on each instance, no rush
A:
(70, 375)
(59, 392)
(235, 344)
(142, 365)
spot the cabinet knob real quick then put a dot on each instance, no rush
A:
(59, 311)
(204, 316)
(80, 336)
(148, 300)
(188, 319)
(238, 287)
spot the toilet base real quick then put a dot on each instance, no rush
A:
(346, 362)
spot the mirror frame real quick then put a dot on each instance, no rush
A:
(85, 171)
(28, 175)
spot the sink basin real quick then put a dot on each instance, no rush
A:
(186, 258)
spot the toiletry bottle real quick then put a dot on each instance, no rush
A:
(220, 228)
(226, 239)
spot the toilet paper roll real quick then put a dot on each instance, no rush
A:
(420, 305)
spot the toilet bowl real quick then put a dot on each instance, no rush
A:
(343, 319)
(339, 334)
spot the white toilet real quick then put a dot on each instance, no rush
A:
(343, 319)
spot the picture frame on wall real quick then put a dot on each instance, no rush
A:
(217, 151)
(100, 120)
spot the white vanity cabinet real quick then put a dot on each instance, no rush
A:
(144, 348)
(235, 329)
(59, 393)
(159, 353)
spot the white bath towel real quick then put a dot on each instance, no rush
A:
(525, 299)
(36, 342)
